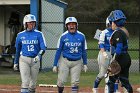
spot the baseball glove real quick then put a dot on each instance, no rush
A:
(114, 68)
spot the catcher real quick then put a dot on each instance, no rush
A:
(119, 40)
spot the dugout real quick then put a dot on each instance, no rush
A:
(11, 19)
(50, 20)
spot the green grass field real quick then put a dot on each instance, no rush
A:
(86, 80)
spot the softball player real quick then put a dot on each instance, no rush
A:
(104, 55)
(30, 46)
(71, 47)
(119, 40)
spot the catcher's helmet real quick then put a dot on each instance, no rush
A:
(71, 19)
(118, 17)
(28, 18)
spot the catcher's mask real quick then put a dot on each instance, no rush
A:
(118, 17)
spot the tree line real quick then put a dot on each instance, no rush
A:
(98, 10)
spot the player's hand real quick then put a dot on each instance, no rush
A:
(85, 68)
(105, 55)
(55, 69)
(15, 67)
(37, 58)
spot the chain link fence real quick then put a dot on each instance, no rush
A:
(52, 25)
(89, 29)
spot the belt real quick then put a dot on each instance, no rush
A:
(29, 56)
(69, 59)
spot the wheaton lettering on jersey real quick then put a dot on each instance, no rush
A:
(73, 43)
(29, 41)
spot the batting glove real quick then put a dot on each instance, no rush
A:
(85, 68)
(55, 69)
(15, 67)
(37, 58)
(105, 55)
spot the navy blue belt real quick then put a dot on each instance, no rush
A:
(30, 56)
(69, 59)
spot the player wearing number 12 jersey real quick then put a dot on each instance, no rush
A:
(30, 46)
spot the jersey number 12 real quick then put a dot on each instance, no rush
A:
(30, 47)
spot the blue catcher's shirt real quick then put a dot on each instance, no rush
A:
(29, 43)
(72, 46)
(104, 40)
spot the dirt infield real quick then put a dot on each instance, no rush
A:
(16, 89)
